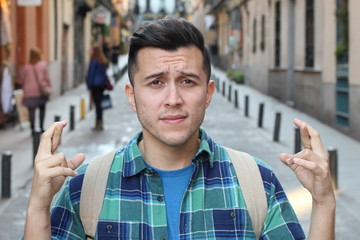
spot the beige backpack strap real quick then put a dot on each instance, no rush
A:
(93, 191)
(251, 184)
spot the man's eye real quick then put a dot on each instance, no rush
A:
(187, 81)
(155, 82)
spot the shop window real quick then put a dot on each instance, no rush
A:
(254, 36)
(262, 42)
(309, 34)
(277, 33)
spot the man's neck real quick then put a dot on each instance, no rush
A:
(166, 157)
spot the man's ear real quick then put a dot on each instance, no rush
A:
(129, 91)
(210, 92)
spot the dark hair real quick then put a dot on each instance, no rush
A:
(35, 55)
(98, 54)
(169, 34)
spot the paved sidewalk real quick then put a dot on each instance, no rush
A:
(348, 194)
(223, 122)
(20, 143)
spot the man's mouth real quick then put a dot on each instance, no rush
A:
(173, 119)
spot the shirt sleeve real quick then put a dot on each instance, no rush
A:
(65, 213)
(281, 221)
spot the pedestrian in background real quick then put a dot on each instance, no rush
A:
(35, 80)
(95, 80)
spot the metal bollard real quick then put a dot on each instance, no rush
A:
(333, 161)
(57, 118)
(72, 117)
(297, 140)
(36, 142)
(223, 88)
(261, 115)
(236, 99)
(246, 105)
(6, 174)
(82, 108)
(230, 90)
(277, 127)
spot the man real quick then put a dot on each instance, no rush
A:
(172, 181)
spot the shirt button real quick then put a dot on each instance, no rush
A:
(160, 198)
(186, 226)
(233, 214)
(109, 227)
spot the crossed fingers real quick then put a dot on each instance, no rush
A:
(48, 163)
(310, 138)
(313, 157)
(50, 139)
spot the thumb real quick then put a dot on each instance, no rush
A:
(288, 160)
(76, 161)
(284, 158)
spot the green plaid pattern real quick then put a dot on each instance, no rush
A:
(212, 207)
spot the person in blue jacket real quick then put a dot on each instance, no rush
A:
(95, 80)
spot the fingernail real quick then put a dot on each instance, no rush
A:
(297, 160)
(288, 161)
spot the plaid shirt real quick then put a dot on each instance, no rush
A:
(213, 206)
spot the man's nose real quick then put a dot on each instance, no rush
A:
(174, 97)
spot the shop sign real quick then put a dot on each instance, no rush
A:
(101, 15)
(29, 3)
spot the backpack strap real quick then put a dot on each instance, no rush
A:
(252, 187)
(93, 191)
(96, 175)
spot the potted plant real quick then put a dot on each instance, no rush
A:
(235, 75)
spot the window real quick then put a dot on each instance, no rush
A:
(262, 43)
(254, 36)
(277, 33)
(342, 67)
(309, 34)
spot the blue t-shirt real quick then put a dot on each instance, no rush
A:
(175, 183)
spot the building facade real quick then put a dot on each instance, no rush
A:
(52, 27)
(302, 52)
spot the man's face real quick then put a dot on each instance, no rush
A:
(170, 94)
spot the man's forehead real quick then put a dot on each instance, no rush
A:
(176, 53)
(167, 59)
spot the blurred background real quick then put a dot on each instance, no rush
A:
(305, 53)
(293, 58)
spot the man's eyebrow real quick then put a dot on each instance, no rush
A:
(193, 75)
(154, 75)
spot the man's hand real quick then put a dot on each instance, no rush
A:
(50, 170)
(311, 167)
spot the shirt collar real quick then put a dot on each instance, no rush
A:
(134, 163)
